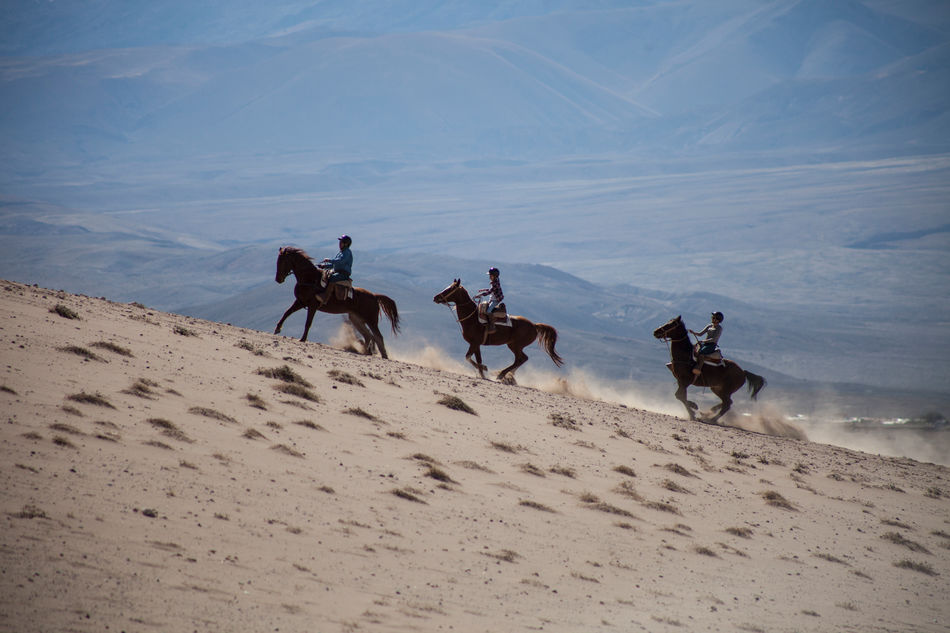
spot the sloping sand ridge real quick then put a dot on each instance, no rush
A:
(162, 473)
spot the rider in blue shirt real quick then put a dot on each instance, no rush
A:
(341, 264)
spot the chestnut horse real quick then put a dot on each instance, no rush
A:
(722, 380)
(517, 336)
(362, 310)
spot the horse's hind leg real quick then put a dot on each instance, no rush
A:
(508, 373)
(378, 337)
(369, 342)
(723, 407)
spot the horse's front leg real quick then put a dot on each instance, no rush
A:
(477, 363)
(690, 406)
(296, 306)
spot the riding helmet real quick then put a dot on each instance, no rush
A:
(493, 271)
(345, 238)
(717, 315)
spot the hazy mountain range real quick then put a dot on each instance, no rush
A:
(786, 162)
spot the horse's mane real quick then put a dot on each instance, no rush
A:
(293, 250)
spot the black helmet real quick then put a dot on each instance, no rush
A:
(345, 238)
(717, 315)
(493, 271)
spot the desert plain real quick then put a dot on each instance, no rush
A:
(163, 473)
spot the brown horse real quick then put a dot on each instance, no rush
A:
(517, 336)
(362, 310)
(723, 380)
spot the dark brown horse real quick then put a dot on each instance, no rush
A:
(723, 380)
(517, 336)
(362, 310)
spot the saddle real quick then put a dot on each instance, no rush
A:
(342, 289)
(500, 313)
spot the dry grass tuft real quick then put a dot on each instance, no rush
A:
(832, 559)
(169, 429)
(505, 555)
(923, 568)
(298, 391)
(345, 378)
(705, 551)
(625, 470)
(211, 413)
(662, 506)
(456, 404)
(112, 347)
(88, 398)
(564, 421)
(422, 457)
(82, 351)
(469, 464)
(247, 345)
(71, 410)
(65, 428)
(256, 401)
(64, 311)
(283, 373)
(504, 447)
(679, 470)
(563, 470)
(898, 539)
(157, 444)
(9, 390)
(408, 494)
(142, 388)
(626, 489)
(534, 505)
(358, 412)
(286, 450)
(439, 475)
(672, 486)
(29, 512)
(313, 426)
(531, 469)
(934, 492)
(59, 440)
(183, 331)
(773, 498)
(897, 524)
(253, 434)
(742, 532)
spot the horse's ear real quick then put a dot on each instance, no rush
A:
(679, 317)
(458, 281)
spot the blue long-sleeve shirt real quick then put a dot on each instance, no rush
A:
(341, 263)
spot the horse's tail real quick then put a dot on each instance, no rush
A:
(756, 383)
(389, 308)
(547, 338)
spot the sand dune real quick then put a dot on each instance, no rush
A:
(162, 473)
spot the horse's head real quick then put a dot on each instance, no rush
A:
(283, 265)
(671, 329)
(450, 293)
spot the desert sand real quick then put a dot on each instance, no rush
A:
(162, 473)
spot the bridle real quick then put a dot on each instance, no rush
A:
(448, 303)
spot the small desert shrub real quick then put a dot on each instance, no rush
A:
(455, 403)
(563, 421)
(923, 568)
(247, 345)
(112, 347)
(847, 606)
(672, 486)
(422, 457)
(345, 378)
(505, 447)
(661, 506)
(564, 470)
(603, 506)
(625, 470)
(30, 512)
(310, 425)
(63, 311)
(408, 494)
(626, 489)
(253, 434)
(286, 450)
(32, 435)
(142, 388)
(157, 444)
(299, 391)
(534, 505)
(285, 374)
(358, 412)
(274, 425)
(81, 351)
(679, 470)
(933, 492)
(742, 532)
(832, 559)
(439, 475)
(898, 539)
(531, 469)
(505, 555)
(183, 331)
(62, 441)
(775, 499)
(65, 428)
(705, 551)
(256, 401)
(474, 466)
(211, 413)
(740, 455)
(88, 398)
